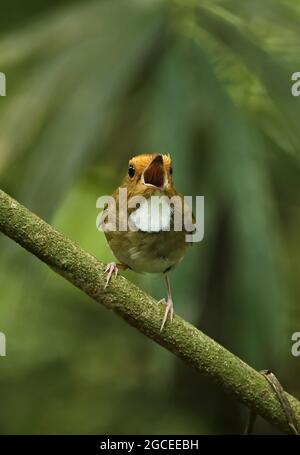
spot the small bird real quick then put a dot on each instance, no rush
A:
(154, 246)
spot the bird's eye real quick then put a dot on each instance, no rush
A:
(131, 171)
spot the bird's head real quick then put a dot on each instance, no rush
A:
(148, 174)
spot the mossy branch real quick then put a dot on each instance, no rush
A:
(141, 311)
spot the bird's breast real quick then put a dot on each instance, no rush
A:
(150, 244)
(155, 252)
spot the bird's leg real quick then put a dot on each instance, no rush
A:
(111, 268)
(168, 303)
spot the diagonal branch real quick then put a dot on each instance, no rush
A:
(141, 311)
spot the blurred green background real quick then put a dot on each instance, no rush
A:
(89, 84)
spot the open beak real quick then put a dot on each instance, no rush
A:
(154, 174)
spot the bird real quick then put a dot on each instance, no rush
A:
(154, 246)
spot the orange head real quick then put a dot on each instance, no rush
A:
(148, 174)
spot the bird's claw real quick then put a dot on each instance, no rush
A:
(110, 269)
(169, 310)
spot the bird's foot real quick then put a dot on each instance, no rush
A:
(169, 310)
(111, 269)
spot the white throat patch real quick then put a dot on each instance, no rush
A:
(153, 215)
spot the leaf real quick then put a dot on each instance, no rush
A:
(76, 120)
